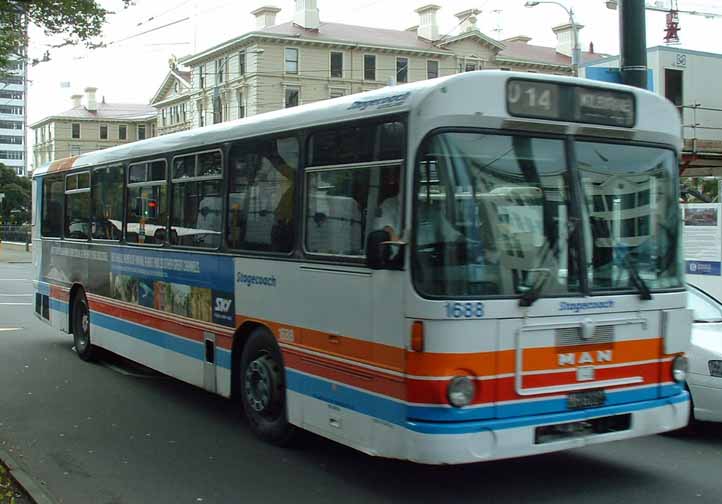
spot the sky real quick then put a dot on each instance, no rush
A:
(133, 66)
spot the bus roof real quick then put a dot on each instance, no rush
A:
(380, 102)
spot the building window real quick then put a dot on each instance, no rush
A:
(336, 92)
(470, 67)
(10, 139)
(11, 110)
(162, 117)
(103, 131)
(291, 58)
(369, 67)
(241, 105)
(75, 130)
(122, 132)
(75, 150)
(141, 132)
(292, 97)
(402, 70)
(201, 118)
(242, 63)
(220, 63)
(337, 65)
(217, 109)
(183, 112)
(201, 76)
(432, 69)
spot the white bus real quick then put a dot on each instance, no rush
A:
(466, 268)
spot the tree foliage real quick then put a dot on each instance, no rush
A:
(15, 206)
(71, 22)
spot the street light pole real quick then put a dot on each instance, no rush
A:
(576, 51)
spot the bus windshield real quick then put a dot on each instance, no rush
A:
(493, 216)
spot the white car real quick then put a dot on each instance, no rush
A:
(705, 356)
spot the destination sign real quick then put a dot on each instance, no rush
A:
(565, 102)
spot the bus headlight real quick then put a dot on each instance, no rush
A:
(679, 368)
(460, 391)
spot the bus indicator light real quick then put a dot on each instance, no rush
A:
(417, 336)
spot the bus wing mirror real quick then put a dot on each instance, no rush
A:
(382, 253)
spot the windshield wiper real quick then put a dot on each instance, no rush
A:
(637, 280)
(532, 294)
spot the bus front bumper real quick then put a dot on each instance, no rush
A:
(465, 442)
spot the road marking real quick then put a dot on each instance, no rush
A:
(8, 329)
(16, 304)
(16, 295)
(14, 280)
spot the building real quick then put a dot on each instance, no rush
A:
(306, 60)
(172, 100)
(13, 113)
(85, 128)
(685, 78)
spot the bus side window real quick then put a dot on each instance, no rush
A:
(147, 203)
(197, 201)
(261, 194)
(77, 206)
(52, 211)
(107, 199)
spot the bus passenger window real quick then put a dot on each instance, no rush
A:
(77, 206)
(344, 206)
(261, 195)
(107, 199)
(197, 200)
(52, 211)
(147, 203)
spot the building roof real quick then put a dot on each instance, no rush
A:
(106, 112)
(355, 34)
(521, 51)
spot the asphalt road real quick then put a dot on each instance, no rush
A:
(110, 433)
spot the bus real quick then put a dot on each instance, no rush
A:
(474, 267)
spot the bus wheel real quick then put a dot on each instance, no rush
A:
(81, 329)
(263, 388)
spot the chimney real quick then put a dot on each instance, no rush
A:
(467, 20)
(90, 104)
(428, 27)
(265, 16)
(76, 100)
(565, 38)
(307, 14)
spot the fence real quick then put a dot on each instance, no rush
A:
(19, 234)
(702, 129)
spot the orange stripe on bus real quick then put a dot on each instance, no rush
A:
(361, 351)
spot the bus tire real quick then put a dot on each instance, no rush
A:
(81, 329)
(263, 388)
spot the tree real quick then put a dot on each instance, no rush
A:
(72, 21)
(15, 206)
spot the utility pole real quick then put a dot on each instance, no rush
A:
(633, 43)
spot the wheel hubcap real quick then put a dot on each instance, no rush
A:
(261, 384)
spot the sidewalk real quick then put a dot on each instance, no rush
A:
(14, 253)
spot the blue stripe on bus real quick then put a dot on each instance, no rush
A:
(451, 420)
(57, 305)
(193, 349)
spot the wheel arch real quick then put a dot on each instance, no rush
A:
(240, 338)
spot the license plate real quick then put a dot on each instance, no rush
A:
(586, 399)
